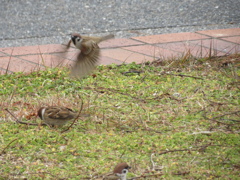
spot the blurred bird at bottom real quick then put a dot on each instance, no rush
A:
(119, 173)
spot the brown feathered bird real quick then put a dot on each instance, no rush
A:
(88, 57)
(119, 173)
(56, 115)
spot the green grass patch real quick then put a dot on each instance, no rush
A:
(177, 120)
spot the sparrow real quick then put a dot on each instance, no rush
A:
(120, 172)
(89, 53)
(55, 115)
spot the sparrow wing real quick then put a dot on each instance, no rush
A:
(60, 113)
(87, 59)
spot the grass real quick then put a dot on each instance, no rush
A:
(171, 120)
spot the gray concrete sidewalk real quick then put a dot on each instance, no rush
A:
(30, 22)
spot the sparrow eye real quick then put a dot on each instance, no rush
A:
(78, 39)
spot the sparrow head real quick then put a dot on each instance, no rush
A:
(76, 39)
(121, 170)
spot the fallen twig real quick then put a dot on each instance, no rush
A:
(21, 122)
(216, 117)
(8, 146)
(110, 90)
(196, 148)
(132, 71)
(103, 89)
(74, 119)
(181, 75)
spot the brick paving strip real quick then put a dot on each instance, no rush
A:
(137, 49)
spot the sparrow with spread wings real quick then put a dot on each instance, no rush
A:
(88, 56)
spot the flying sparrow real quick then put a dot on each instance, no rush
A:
(89, 54)
(55, 115)
(119, 172)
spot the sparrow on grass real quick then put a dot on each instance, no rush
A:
(88, 56)
(56, 115)
(120, 172)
